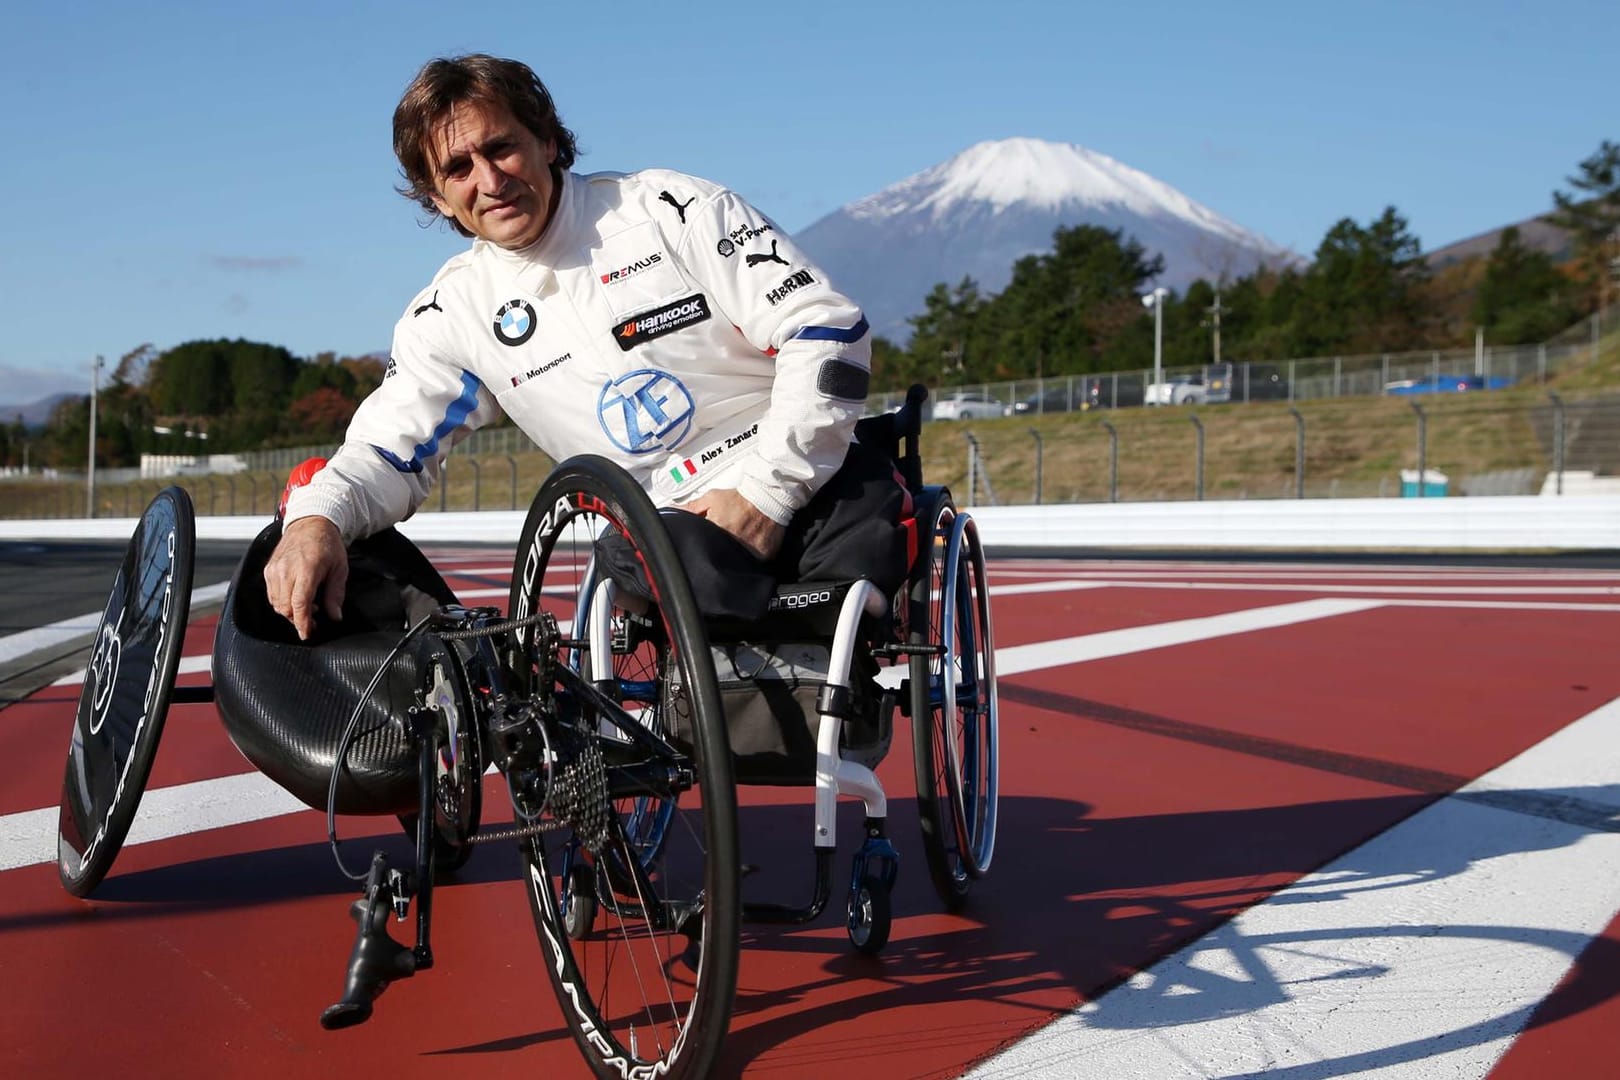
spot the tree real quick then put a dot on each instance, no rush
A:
(1522, 297)
(1592, 213)
(1071, 306)
(134, 365)
(942, 344)
(891, 366)
(192, 379)
(321, 414)
(323, 372)
(1363, 291)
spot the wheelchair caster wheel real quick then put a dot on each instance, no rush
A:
(871, 915)
(580, 912)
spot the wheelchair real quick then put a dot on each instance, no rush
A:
(607, 707)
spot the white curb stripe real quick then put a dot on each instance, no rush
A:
(1419, 955)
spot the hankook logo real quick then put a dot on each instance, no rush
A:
(684, 312)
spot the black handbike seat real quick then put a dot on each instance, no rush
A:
(286, 703)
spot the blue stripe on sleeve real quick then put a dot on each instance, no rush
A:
(833, 333)
(454, 417)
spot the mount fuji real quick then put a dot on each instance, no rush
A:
(995, 202)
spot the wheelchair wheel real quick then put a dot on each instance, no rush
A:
(953, 706)
(634, 887)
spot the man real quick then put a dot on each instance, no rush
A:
(653, 318)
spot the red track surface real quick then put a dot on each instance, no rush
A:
(1145, 798)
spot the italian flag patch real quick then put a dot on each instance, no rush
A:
(682, 471)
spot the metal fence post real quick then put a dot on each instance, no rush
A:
(253, 492)
(1558, 440)
(512, 464)
(1113, 462)
(1299, 453)
(972, 467)
(1198, 466)
(1038, 456)
(478, 480)
(1422, 446)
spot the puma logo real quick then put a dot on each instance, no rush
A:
(756, 259)
(431, 305)
(680, 207)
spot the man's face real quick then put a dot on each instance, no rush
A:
(492, 174)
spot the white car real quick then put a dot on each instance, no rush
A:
(1179, 390)
(967, 406)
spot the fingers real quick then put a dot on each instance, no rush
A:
(307, 557)
(291, 591)
(337, 584)
(301, 610)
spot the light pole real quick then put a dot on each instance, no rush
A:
(90, 484)
(1155, 300)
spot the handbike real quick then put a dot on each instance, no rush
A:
(600, 706)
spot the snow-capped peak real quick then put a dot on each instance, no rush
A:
(975, 215)
(1039, 174)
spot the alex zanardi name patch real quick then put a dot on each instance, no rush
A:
(642, 328)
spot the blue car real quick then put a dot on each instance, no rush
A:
(1447, 384)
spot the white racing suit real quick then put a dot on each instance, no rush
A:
(660, 321)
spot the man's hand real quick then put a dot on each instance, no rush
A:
(741, 519)
(310, 555)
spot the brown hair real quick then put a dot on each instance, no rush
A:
(447, 82)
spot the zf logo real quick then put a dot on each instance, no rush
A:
(645, 411)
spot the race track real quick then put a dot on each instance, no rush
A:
(1301, 820)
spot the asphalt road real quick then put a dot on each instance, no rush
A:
(42, 583)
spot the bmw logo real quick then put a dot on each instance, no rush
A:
(514, 322)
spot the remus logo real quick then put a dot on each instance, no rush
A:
(687, 311)
(613, 277)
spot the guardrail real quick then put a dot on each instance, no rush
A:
(1506, 523)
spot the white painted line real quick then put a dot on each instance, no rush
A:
(18, 645)
(1044, 587)
(1170, 573)
(29, 838)
(1391, 590)
(1420, 955)
(1015, 659)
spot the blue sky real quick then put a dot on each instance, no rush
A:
(190, 170)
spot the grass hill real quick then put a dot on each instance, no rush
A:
(1495, 442)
